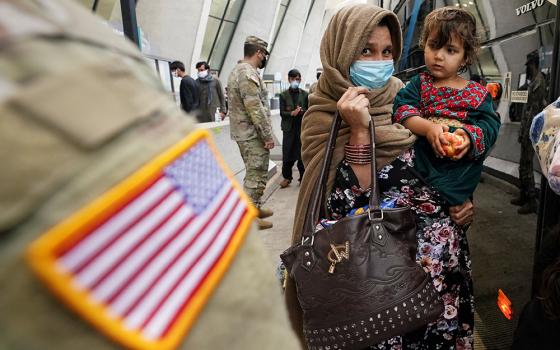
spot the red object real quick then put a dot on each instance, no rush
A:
(495, 90)
(454, 141)
(504, 304)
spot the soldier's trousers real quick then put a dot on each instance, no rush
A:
(256, 158)
(526, 177)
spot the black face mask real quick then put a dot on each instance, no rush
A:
(263, 63)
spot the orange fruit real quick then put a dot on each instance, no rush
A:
(454, 141)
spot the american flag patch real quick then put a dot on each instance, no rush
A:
(141, 261)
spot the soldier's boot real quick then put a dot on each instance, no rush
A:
(285, 183)
(263, 224)
(264, 213)
(528, 208)
(519, 200)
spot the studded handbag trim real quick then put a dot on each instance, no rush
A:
(416, 310)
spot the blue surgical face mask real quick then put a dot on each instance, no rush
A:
(371, 74)
(294, 84)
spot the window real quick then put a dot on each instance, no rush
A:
(280, 19)
(220, 48)
(222, 21)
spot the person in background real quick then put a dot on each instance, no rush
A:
(536, 101)
(188, 91)
(293, 104)
(250, 121)
(211, 94)
(314, 85)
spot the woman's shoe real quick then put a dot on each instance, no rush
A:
(285, 183)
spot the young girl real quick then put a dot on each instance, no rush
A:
(441, 101)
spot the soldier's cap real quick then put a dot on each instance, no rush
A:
(258, 42)
(532, 57)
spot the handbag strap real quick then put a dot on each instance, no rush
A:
(320, 189)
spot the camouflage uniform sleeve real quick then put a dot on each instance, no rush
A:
(249, 86)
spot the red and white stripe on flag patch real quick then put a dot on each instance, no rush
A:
(141, 261)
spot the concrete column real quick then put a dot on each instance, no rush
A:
(256, 19)
(308, 57)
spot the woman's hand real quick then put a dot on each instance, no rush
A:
(462, 214)
(354, 109)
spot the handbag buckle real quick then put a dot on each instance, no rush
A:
(305, 239)
(373, 217)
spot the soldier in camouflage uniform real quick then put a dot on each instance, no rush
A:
(535, 103)
(81, 111)
(250, 121)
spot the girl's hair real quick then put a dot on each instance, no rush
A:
(447, 21)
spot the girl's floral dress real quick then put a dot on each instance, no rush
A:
(443, 250)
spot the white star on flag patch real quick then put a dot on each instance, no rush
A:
(141, 261)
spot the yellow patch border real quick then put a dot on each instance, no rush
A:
(42, 259)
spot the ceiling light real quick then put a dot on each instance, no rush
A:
(471, 3)
(457, 4)
(465, 5)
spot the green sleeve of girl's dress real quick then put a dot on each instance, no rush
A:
(407, 101)
(482, 127)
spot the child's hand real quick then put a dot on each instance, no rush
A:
(462, 149)
(436, 139)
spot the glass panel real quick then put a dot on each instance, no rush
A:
(279, 20)
(504, 62)
(209, 36)
(508, 15)
(164, 74)
(217, 8)
(495, 19)
(415, 56)
(218, 55)
(234, 10)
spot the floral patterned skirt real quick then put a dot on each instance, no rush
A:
(443, 250)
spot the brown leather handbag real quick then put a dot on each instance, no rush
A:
(357, 281)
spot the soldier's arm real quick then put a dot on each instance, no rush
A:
(249, 88)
